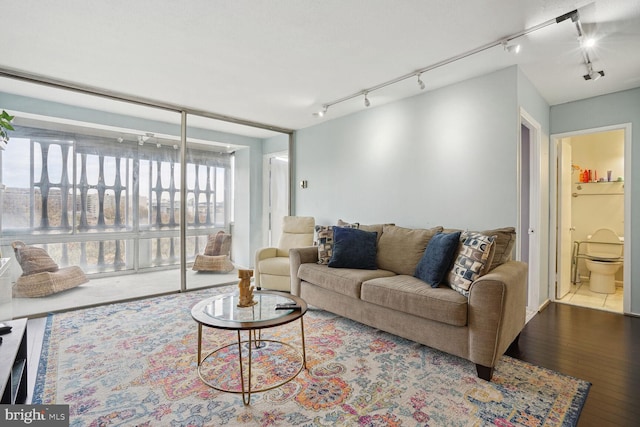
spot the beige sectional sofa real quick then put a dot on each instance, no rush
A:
(479, 326)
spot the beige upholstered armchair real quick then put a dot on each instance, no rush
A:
(272, 264)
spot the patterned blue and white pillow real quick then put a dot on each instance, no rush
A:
(473, 260)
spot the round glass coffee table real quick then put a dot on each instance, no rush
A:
(222, 312)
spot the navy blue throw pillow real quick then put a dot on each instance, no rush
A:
(437, 258)
(354, 248)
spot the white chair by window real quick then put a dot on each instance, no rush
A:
(272, 264)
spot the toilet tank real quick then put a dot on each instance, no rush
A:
(605, 235)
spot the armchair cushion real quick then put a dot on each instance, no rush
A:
(297, 232)
(278, 266)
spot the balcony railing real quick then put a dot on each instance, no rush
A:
(111, 206)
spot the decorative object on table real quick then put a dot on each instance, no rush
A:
(115, 364)
(246, 289)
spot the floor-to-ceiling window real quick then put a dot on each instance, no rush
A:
(103, 188)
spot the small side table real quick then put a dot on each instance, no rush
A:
(222, 312)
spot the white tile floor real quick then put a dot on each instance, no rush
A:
(111, 289)
(581, 295)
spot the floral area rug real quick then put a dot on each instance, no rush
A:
(134, 364)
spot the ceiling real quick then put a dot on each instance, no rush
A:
(277, 62)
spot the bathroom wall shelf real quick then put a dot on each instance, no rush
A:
(601, 182)
(596, 194)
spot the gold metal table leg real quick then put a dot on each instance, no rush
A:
(199, 343)
(304, 351)
(246, 400)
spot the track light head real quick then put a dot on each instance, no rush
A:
(591, 74)
(322, 112)
(594, 75)
(420, 82)
(141, 140)
(511, 48)
(366, 100)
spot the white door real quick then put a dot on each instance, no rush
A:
(278, 195)
(565, 248)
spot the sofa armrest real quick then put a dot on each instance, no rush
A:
(298, 256)
(497, 311)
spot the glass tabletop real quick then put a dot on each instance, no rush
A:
(225, 307)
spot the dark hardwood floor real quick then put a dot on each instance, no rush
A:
(597, 346)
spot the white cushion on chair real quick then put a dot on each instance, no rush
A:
(278, 266)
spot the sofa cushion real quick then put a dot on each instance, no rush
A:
(353, 248)
(503, 244)
(472, 261)
(346, 281)
(324, 240)
(409, 295)
(400, 249)
(437, 259)
(505, 239)
(372, 227)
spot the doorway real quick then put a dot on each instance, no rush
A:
(529, 228)
(591, 192)
(275, 196)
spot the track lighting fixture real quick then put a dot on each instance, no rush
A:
(120, 139)
(322, 112)
(511, 48)
(515, 48)
(586, 44)
(591, 74)
(158, 145)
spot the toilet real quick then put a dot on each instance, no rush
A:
(603, 260)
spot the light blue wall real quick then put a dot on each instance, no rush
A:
(447, 157)
(613, 109)
(276, 144)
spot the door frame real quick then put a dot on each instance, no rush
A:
(553, 195)
(535, 204)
